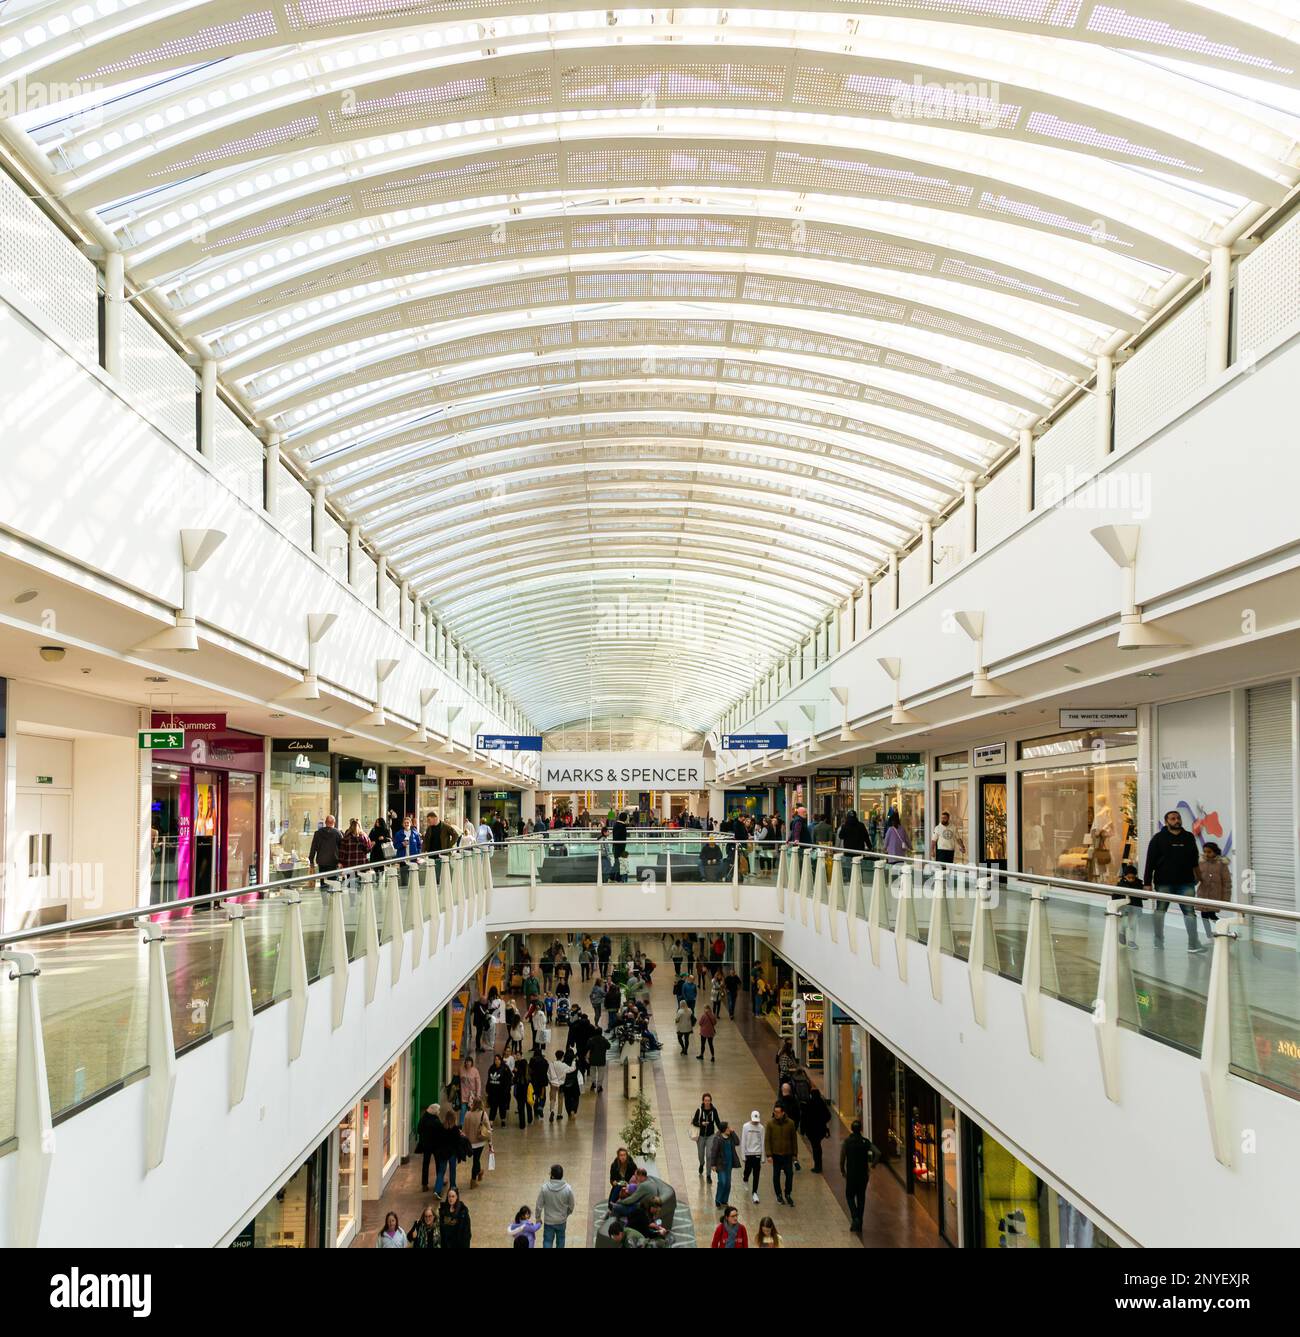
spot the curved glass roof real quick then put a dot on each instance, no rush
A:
(639, 338)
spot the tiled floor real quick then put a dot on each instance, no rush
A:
(740, 1080)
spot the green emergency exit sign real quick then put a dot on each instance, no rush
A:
(161, 739)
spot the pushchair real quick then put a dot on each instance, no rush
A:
(562, 1011)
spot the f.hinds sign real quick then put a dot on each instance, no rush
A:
(622, 770)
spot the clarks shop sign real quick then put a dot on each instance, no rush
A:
(622, 770)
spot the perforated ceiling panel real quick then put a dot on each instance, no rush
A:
(578, 310)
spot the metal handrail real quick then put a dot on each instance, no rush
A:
(268, 889)
(1109, 890)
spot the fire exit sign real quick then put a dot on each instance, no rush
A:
(161, 739)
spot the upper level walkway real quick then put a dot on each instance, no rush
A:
(1010, 993)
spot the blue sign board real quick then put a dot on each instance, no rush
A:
(509, 742)
(755, 742)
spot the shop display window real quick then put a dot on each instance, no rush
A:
(900, 788)
(299, 800)
(1079, 821)
(348, 1198)
(954, 799)
(358, 793)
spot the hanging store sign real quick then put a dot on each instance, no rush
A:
(300, 744)
(1099, 719)
(671, 771)
(755, 742)
(461, 782)
(508, 742)
(192, 724)
(898, 758)
(991, 754)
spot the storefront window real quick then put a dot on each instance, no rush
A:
(170, 834)
(349, 1188)
(1088, 740)
(883, 788)
(954, 799)
(1014, 1209)
(295, 1216)
(358, 792)
(299, 802)
(952, 761)
(1079, 821)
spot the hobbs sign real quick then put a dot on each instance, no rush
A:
(622, 770)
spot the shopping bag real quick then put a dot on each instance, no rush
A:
(492, 1159)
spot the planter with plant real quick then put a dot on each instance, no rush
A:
(641, 1134)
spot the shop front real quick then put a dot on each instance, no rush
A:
(1010, 1207)
(455, 806)
(846, 1052)
(915, 1129)
(299, 795)
(1078, 804)
(206, 797)
(893, 786)
(832, 794)
(504, 805)
(404, 787)
(754, 801)
(357, 792)
(384, 1127)
(295, 1217)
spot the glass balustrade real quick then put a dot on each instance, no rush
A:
(93, 981)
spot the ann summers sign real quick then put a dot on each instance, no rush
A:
(622, 770)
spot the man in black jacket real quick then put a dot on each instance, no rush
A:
(618, 838)
(1172, 857)
(857, 1156)
(426, 1141)
(324, 853)
(613, 1001)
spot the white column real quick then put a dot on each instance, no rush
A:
(405, 613)
(717, 804)
(114, 304)
(969, 516)
(927, 553)
(528, 804)
(207, 406)
(1218, 345)
(892, 578)
(1105, 405)
(271, 487)
(1026, 470)
(318, 521)
(666, 805)
(381, 575)
(354, 552)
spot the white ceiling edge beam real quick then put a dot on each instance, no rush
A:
(110, 47)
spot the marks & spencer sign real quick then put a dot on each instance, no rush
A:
(622, 770)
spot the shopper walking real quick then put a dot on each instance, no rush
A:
(597, 1053)
(724, 1156)
(353, 846)
(684, 1023)
(392, 1235)
(815, 1124)
(705, 1122)
(425, 1233)
(857, 1156)
(557, 1070)
(1213, 883)
(323, 856)
(497, 1085)
(730, 1234)
(782, 1142)
(453, 1222)
(520, 1084)
(767, 1237)
(523, 1229)
(446, 1151)
(555, 1204)
(613, 1001)
(689, 993)
(753, 1148)
(787, 1062)
(708, 1026)
(731, 986)
(471, 1086)
(789, 1101)
(539, 1075)
(1172, 857)
(479, 1133)
(426, 1141)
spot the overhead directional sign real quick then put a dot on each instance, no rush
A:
(509, 742)
(172, 740)
(755, 742)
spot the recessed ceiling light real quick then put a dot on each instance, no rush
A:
(1006, 712)
(155, 678)
(1070, 668)
(1148, 675)
(277, 714)
(24, 596)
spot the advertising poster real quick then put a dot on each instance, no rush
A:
(1194, 767)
